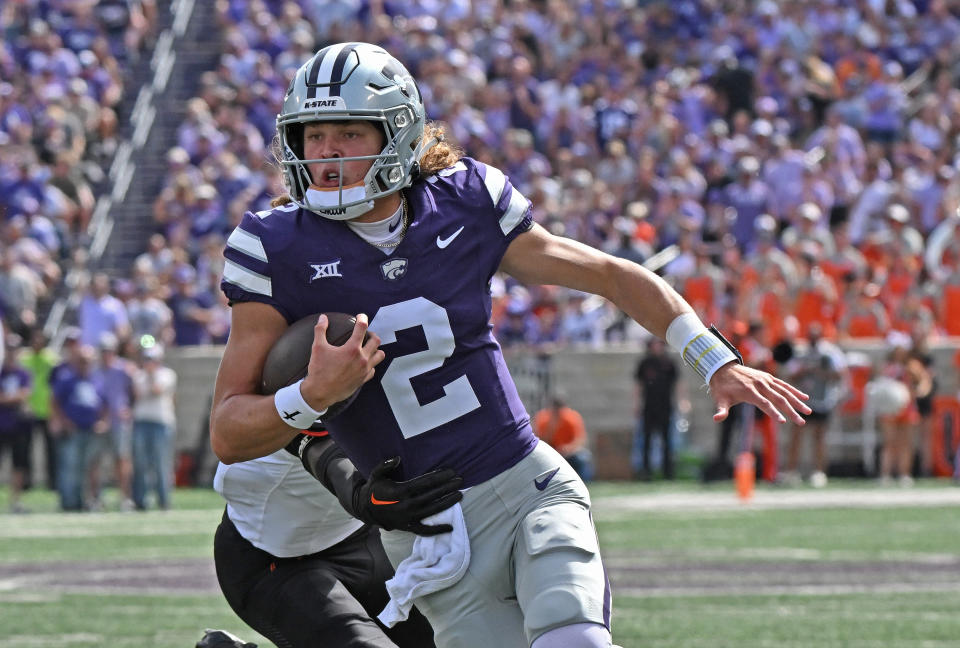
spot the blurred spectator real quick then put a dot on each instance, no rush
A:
(623, 242)
(114, 376)
(757, 353)
(900, 233)
(20, 289)
(74, 189)
(765, 251)
(14, 421)
(656, 380)
(149, 315)
(820, 370)
(562, 427)
(101, 313)
(39, 360)
(518, 326)
(154, 419)
(863, 313)
(925, 389)
(846, 261)
(191, 309)
(79, 412)
(156, 259)
(584, 319)
(899, 419)
(815, 298)
(809, 227)
(749, 196)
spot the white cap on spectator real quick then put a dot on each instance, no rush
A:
(768, 8)
(809, 211)
(767, 105)
(78, 87)
(206, 192)
(638, 210)
(719, 128)
(765, 225)
(154, 352)
(762, 128)
(178, 155)
(898, 339)
(87, 58)
(899, 213)
(108, 342)
(748, 164)
(893, 69)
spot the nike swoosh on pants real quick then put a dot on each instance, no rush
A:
(542, 483)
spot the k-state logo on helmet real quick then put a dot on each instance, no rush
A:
(393, 269)
(332, 102)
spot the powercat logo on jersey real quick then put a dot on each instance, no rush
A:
(393, 269)
(325, 270)
(332, 102)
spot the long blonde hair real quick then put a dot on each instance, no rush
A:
(441, 155)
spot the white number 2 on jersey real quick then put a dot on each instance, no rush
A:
(459, 397)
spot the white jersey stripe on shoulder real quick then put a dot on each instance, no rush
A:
(515, 211)
(495, 181)
(247, 279)
(247, 243)
(450, 170)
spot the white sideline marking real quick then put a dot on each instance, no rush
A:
(24, 641)
(779, 499)
(832, 589)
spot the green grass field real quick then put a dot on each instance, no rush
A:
(700, 575)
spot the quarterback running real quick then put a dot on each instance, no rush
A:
(388, 221)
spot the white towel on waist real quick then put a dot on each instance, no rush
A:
(435, 563)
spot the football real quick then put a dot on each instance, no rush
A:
(289, 356)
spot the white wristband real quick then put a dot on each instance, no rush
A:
(698, 346)
(293, 409)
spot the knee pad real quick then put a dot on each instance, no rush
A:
(559, 576)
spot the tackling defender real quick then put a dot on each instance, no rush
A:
(387, 220)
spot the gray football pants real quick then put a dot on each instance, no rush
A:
(535, 564)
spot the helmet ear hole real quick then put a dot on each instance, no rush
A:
(295, 139)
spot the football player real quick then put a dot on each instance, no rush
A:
(385, 219)
(303, 565)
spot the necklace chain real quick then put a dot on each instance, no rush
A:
(405, 222)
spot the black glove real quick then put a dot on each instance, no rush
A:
(402, 505)
(380, 500)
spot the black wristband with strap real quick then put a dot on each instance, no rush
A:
(727, 343)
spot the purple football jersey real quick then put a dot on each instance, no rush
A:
(443, 396)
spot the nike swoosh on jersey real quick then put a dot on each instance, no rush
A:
(542, 483)
(378, 502)
(444, 242)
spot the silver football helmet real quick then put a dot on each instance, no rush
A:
(345, 82)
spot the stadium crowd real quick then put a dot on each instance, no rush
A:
(785, 165)
(784, 160)
(64, 72)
